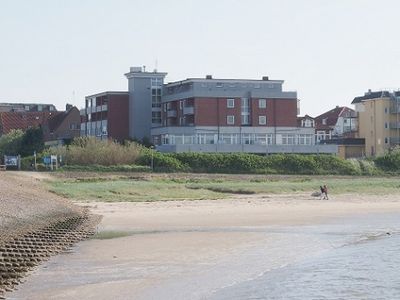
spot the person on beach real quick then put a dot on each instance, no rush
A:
(322, 192)
(325, 192)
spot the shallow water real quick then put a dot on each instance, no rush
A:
(362, 262)
(349, 258)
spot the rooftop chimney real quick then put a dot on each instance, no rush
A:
(265, 78)
(208, 76)
(68, 106)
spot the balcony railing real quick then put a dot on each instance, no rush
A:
(171, 114)
(394, 125)
(188, 110)
(394, 140)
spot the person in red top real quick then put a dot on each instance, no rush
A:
(325, 192)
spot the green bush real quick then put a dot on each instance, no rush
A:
(100, 168)
(86, 151)
(390, 162)
(162, 162)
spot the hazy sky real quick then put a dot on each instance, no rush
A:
(329, 51)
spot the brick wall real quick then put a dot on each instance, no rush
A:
(118, 117)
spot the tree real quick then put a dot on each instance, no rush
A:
(10, 144)
(32, 141)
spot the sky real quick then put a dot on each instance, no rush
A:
(58, 52)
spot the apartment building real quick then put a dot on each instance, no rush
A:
(106, 115)
(232, 115)
(202, 114)
(379, 120)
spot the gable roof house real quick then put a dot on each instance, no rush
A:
(63, 127)
(340, 122)
(57, 126)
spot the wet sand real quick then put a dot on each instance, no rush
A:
(168, 242)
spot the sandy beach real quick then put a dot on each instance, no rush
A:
(187, 249)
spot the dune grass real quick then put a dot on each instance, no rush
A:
(198, 188)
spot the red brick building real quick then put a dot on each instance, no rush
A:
(106, 115)
(229, 113)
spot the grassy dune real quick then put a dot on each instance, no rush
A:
(192, 187)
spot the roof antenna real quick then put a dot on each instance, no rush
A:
(155, 69)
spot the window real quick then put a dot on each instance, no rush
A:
(324, 121)
(386, 125)
(262, 120)
(288, 139)
(230, 120)
(73, 126)
(262, 103)
(156, 97)
(386, 140)
(156, 117)
(307, 123)
(386, 110)
(245, 111)
(230, 103)
(181, 105)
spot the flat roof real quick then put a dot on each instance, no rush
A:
(222, 80)
(108, 93)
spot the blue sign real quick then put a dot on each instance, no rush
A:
(46, 160)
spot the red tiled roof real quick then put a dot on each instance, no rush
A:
(331, 117)
(23, 120)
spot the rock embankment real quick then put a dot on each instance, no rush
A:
(34, 224)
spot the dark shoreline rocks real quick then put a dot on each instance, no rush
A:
(34, 225)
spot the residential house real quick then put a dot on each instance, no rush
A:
(57, 126)
(339, 122)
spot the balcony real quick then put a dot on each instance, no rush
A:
(394, 125)
(394, 140)
(171, 113)
(188, 110)
(394, 110)
(93, 109)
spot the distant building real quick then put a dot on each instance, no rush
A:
(57, 126)
(31, 107)
(62, 127)
(106, 115)
(379, 120)
(336, 123)
(306, 122)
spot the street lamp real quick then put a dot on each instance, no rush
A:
(152, 157)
